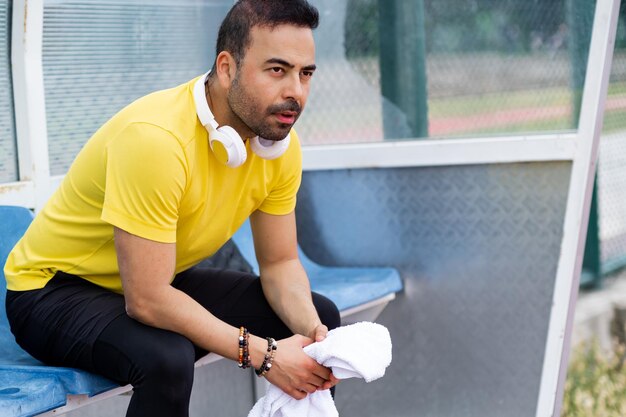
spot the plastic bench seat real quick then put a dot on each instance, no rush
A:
(31, 390)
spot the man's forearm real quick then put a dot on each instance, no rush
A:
(172, 309)
(288, 291)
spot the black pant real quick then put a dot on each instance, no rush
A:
(73, 323)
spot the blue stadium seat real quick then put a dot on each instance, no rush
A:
(351, 288)
(28, 387)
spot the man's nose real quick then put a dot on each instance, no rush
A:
(294, 90)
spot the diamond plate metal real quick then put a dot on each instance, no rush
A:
(478, 248)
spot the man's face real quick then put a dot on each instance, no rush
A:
(272, 82)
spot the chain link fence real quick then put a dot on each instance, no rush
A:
(489, 68)
(611, 180)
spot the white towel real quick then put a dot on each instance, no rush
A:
(361, 350)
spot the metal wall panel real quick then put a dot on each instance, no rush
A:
(8, 158)
(478, 248)
(99, 56)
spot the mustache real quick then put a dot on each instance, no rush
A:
(287, 106)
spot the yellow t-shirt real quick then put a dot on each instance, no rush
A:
(149, 171)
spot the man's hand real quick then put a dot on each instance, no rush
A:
(319, 333)
(296, 373)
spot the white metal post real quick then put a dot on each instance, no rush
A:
(577, 211)
(427, 153)
(29, 98)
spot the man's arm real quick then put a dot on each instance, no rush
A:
(147, 268)
(285, 283)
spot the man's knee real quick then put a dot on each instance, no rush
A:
(171, 360)
(327, 311)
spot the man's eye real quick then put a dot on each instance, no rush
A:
(307, 73)
(277, 70)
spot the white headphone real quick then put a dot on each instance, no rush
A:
(225, 142)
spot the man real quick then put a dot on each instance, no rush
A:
(104, 278)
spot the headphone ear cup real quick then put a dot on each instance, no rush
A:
(269, 149)
(227, 146)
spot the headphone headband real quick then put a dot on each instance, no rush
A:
(202, 107)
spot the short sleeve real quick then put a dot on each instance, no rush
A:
(145, 180)
(283, 195)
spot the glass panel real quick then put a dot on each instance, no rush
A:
(397, 69)
(8, 161)
(612, 163)
(98, 56)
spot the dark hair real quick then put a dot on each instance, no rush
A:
(234, 34)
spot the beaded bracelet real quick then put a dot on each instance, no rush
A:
(244, 353)
(269, 358)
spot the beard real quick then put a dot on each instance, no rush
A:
(258, 119)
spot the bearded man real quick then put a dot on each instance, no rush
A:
(105, 279)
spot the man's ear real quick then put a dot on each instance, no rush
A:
(225, 69)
